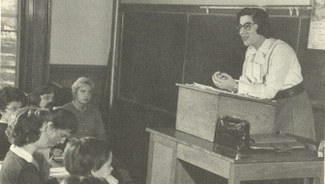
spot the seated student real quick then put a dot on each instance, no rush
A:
(88, 116)
(31, 129)
(83, 180)
(11, 99)
(43, 97)
(89, 156)
(49, 95)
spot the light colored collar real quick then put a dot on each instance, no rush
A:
(264, 48)
(266, 45)
(262, 52)
(24, 155)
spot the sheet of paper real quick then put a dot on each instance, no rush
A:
(316, 38)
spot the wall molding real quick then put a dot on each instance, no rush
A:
(219, 2)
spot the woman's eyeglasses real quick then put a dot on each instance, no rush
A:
(247, 26)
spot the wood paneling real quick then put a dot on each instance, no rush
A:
(33, 58)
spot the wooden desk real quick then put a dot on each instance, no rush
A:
(172, 152)
(198, 110)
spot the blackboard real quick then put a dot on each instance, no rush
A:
(152, 58)
(161, 49)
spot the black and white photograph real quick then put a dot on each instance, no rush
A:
(162, 91)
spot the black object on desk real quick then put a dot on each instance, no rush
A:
(232, 132)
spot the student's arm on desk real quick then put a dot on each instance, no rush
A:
(58, 172)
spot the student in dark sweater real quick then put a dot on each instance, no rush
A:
(89, 117)
(11, 99)
(29, 130)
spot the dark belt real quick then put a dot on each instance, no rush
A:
(293, 91)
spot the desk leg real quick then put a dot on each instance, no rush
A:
(182, 176)
(161, 161)
(232, 176)
(233, 180)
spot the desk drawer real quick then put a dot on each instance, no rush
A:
(203, 160)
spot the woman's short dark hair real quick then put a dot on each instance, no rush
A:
(25, 124)
(35, 95)
(85, 154)
(10, 94)
(261, 18)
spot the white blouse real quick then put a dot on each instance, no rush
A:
(271, 68)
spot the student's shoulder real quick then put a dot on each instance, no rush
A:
(67, 106)
(13, 163)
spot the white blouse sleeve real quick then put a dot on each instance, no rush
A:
(281, 58)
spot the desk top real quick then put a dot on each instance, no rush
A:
(231, 155)
(58, 172)
(212, 90)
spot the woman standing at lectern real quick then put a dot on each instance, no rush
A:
(271, 70)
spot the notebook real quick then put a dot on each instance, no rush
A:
(275, 142)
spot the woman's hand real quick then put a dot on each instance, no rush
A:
(224, 81)
(56, 152)
(111, 180)
(321, 148)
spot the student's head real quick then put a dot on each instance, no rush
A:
(253, 22)
(43, 96)
(83, 180)
(40, 127)
(82, 90)
(88, 155)
(11, 99)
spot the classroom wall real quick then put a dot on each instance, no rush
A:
(80, 40)
(145, 94)
(160, 45)
(80, 31)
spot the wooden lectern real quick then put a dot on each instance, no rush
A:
(198, 109)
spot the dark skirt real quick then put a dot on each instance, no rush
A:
(294, 115)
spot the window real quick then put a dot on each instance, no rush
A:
(9, 41)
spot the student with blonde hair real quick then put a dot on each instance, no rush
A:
(89, 117)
